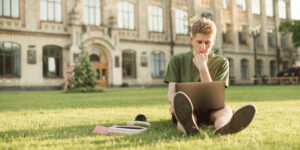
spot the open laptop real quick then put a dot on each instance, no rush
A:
(204, 95)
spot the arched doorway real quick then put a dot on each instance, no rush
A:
(100, 63)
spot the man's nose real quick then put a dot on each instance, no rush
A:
(202, 46)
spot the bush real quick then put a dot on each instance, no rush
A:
(84, 90)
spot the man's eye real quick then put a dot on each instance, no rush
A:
(207, 42)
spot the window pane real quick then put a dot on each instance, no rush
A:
(8, 65)
(98, 16)
(58, 12)
(43, 10)
(8, 48)
(1, 7)
(92, 16)
(1, 64)
(86, 15)
(269, 7)
(50, 12)
(104, 74)
(7, 8)
(282, 9)
(17, 65)
(15, 8)
(256, 6)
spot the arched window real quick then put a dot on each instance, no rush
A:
(9, 59)
(52, 61)
(259, 67)
(273, 68)
(94, 58)
(92, 12)
(231, 73)
(157, 64)
(129, 63)
(244, 69)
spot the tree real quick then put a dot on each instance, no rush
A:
(84, 73)
(292, 26)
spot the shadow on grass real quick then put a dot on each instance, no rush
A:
(161, 131)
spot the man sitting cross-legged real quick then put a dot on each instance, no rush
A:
(199, 65)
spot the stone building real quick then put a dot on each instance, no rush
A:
(131, 41)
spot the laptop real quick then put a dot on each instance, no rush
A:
(204, 95)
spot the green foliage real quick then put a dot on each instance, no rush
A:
(291, 26)
(84, 73)
(84, 90)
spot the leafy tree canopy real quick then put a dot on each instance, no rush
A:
(291, 26)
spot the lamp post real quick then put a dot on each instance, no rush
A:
(254, 31)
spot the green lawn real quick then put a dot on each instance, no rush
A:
(56, 120)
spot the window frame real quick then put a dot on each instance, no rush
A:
(122, 15)
(45, 59)
(241, 5)
(181, 25)
(2, 13)
(54, 12)
(157, 15)
(247, 68)
(159, 58)
(94, 9)
(132, 61)
(12, 56)
(256, 8)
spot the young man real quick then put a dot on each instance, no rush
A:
(199, 65)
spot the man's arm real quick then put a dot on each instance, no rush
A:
(171, 94)
(200, 61)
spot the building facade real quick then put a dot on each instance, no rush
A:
(130, 42)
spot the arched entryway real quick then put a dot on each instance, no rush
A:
(100, 63)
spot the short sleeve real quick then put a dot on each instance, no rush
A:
(173, 71)
(223, 73)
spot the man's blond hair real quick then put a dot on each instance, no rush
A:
(204, 26)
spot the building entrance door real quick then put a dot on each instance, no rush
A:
(99, 62)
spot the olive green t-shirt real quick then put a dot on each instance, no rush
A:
(182, 69)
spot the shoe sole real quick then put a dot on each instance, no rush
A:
(183, 110)
(239, 121)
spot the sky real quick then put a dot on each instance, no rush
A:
(295, 8)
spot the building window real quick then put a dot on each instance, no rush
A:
(244, 69)
(258, 39)
(9, 8)
(285, 65)
(158, 64)
(52, 61)
(9, 59)
(155, 19)
(256, 7)
(129, 63)
(206, 15)
(181, 21)
(269, 8)
(92, 12)
(271, 38)
(241, 4)
(243, 35)
(50, 10)
(226, 33)
(94, 58)
(231, 73)
(283, 41)
(259, 67)
(126, 15)
(225, 4)
(282, 9)
(273, 69)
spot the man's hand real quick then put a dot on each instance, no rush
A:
(200, 60)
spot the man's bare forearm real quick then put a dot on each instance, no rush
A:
(205, 75)
(171, 92)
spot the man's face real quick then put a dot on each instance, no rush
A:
(203, 43)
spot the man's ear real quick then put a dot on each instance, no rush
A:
(191, 38)
(214, 41)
